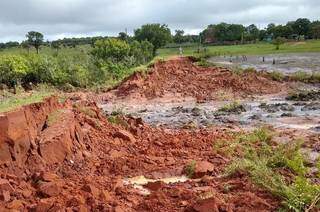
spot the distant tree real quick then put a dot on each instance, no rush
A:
(157, 34)
(35, 39)
(208, 35)
(315, 30)
(55, 45)
(252, 32)
(301, 26)
(270, 29)
(123, 36)
(278, 42)
(178, 37)
(25, 45)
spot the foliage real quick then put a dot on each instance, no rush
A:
(16, 101)
(190, 168)
(35, 39)
(233, 107)
(178, 37)
(255, 154)
(113, 50)
(12, 70)
(278, 42)
(157, 34)
(276, 75)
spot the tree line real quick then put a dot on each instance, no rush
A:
(222, 33)
(300, 29)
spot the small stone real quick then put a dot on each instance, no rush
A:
(5, 185)
(76, 201)
(5, 196)
(91, 189)
(15, 205)
(49, 177)
(105, 196)
(125, 136)
(26, 193)
(118, 209)
(50, 189)
(44, 205)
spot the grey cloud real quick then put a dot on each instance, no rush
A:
(58, 18)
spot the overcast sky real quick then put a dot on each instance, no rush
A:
(68, 18)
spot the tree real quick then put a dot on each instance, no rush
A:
(35, 39)
(315, 30)
(301, 26)
(111, 49)
(178, 37)
(157, 34)
(252, 32)
(55, 45)
(25, 45)
(278, 42)
(123, 36)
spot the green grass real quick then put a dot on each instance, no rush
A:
(190, 168)
(233, 107)
(16, 101)
(247, 49)
(262, 160)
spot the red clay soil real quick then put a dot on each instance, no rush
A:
(73, 159)
(182, 77)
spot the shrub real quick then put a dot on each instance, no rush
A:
(111, 49)
(276, 75)
(12, 70)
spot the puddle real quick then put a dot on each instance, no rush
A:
(277, 112)
(139, 181)
(286, 63)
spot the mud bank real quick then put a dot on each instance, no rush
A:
(182, 78)
(77, 160)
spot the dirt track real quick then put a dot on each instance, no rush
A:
(72, 158)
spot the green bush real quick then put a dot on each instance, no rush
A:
(13, 69)
(110, 61)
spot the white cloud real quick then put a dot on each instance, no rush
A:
(95, 17)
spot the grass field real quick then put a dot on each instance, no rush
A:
(247, 49)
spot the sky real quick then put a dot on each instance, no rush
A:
(77, 18)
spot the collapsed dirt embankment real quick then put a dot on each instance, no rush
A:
(61, 157)
(181, 77)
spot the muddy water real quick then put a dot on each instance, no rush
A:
(275, 111)
(140, 181)
(286, 63)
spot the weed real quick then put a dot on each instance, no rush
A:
(190, 168)
(86, 110)
(234, 107)
(276, 75)
(261, 160)
(205, 63)
(118, 120)
(303, 95)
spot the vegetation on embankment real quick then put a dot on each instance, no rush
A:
(280, 169)
(9, 101)
(108, 62)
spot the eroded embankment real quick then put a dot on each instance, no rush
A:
(181, 77)
(59, 157)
